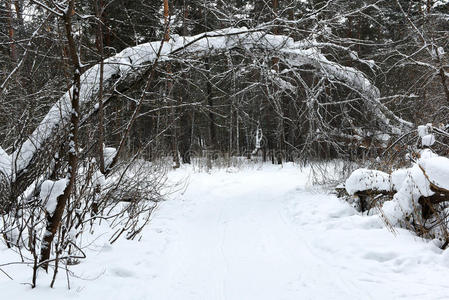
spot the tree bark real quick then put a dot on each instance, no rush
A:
(174, 135)
(99, 10)
(12, 46)
(18, 5)
(210, 102)
(54, 219)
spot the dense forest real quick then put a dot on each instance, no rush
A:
(98, 97)
(219, 100)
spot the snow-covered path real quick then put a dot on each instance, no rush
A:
(237, 241)
(259, 234)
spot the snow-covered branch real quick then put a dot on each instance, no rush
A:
(129, 64)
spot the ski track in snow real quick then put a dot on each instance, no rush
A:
(255, 234)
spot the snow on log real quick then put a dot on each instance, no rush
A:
(436, 170)
(398, 178)
(50, 191)
(365, 179)
(406, 199)
(127, 65)
(109, 153)
(430, 175)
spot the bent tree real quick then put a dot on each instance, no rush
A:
(129, 65)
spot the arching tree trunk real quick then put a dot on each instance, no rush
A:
(30, 157)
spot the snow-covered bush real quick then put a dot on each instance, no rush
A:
(122, 201)
(417, 196)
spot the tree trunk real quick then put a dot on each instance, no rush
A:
(443, 79)
(18, 5)
(12, 46)
(54, 220)
(174, 136)
(100, 48)
(210, 102)
(275, 13)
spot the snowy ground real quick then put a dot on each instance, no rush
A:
(254, 234)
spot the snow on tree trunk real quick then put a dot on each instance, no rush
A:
(50, 191)
(73, 114)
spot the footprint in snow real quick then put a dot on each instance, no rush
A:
(122, 272)
(380, 256)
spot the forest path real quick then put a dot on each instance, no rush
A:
(265, 234)
(236, 240)
(256, 234)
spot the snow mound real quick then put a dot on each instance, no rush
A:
(109, 153)
(411, 185)
(365, 179)
(414, 186)
(428, 140)
(50, 191)
(425, 133)
(436, 170)
(398, 178)
(423, 130)
(427, 153)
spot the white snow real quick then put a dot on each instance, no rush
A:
(405, 200)
(365, 179)
(423, 130)
(427, 153)
(98, 179)
(398, 178)
(254, 234)
(50, 191)
(409, 184)
(108, 153)
(5, 163)
(437, 170)
(428, 140)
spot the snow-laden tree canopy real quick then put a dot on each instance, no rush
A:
(128, 65)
